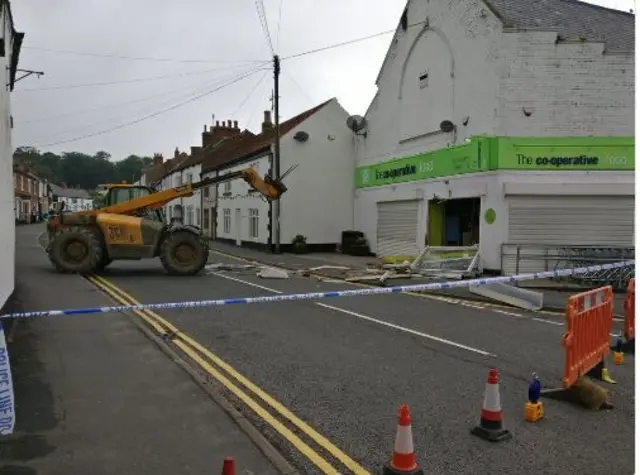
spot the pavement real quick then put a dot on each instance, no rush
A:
(322, 380)
(95, 395)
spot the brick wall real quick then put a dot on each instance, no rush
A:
(568, 89)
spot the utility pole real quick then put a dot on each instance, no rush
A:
(276, 165)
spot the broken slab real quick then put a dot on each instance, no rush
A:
(272, 273)
(511, 295)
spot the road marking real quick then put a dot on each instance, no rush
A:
(188, 345)
(454, 301)
(369, 319)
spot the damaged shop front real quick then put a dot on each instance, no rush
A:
(525, 202)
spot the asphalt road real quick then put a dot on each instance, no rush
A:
(344, 365)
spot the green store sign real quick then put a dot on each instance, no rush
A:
(483, 154)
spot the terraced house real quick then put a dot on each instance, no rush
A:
(503, 123)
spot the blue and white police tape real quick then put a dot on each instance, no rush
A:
(325, 295)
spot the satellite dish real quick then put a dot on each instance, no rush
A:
(301, 136)
(356, 123)
(447, 126)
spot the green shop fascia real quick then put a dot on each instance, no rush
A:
(483, 154)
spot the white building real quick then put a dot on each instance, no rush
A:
(318, 203)
(9, 54)
(187, 169)
(74, 199)
(555, 82)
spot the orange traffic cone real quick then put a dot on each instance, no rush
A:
(403, 461)
(490, 427)
(229, 466)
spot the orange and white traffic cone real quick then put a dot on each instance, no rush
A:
(229, 466)
(490, 427)
(403, 461)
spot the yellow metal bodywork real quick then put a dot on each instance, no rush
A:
(120, 229)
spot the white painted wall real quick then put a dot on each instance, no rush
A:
(319, 200)
(491, 188)
(481, 72)
(7, 202)
(459, 51)
(572, 89)
(235, 195)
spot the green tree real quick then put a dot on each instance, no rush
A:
(80, 169)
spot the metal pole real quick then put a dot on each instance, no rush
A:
(276, 167)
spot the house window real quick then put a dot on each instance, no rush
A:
(206, 191)
(227, 187)
(254, 219)
(189, 178)
(178, 180)
(226, 221)
(205, 219)
(198, 220)
(189, 214)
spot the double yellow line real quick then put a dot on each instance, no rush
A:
(214, 367)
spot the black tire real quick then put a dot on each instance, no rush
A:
(184, 253)
(104, 262)
(76, 250)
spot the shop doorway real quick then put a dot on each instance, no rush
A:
(453, 222)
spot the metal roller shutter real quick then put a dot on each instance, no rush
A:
(568, 221)
(397, 228)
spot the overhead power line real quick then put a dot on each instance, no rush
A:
(112, 105)
(346, 43)
(135, 58)
(264, 23)
(291, 56)
(126, 81)
(251, 91)
(154, 114)
(279, 23)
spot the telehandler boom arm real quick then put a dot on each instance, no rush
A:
(268, 187)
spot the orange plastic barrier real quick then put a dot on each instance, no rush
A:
(630, 311)
(586, 341)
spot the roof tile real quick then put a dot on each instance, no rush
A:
(245, 146)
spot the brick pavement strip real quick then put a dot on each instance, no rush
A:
(93, 395)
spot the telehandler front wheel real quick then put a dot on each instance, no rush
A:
(184, 253)
(76, 250)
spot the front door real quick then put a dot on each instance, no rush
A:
(238, 227)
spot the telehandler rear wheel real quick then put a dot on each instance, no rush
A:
(184, 253)
(76, 250)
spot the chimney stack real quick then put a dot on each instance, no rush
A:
(267, 124)
(195, 150)
(222, 130)
(176, 153)
(157, 159)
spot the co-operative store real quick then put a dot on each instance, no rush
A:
(500, 191)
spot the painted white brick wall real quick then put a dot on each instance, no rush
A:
(481, 72)
(570, 89)
(459, 51)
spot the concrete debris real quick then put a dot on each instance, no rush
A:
(327, 267)
(272, 273)
(224, 266)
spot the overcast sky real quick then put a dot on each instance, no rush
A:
(204, 45)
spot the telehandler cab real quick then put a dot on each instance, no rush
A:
(131, 226)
